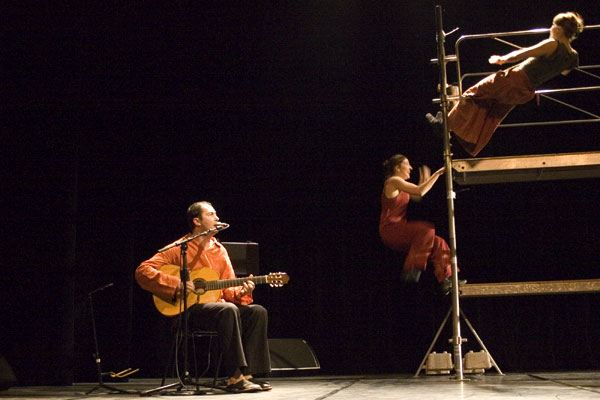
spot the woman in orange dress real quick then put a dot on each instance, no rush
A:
(415, 238)
(484, 105)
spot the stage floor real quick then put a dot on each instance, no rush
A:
(558, 385)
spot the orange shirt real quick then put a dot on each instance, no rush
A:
(215, 257)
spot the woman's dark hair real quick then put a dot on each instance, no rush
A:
(571, 23)
(390, 164)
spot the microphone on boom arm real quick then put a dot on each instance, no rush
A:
(221, 226)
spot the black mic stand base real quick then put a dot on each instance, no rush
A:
(111, 389)
(177, 389)
(102, 385)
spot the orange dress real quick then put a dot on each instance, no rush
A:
(484, 105)
(415, 238)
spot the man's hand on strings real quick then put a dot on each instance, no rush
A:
(189, 287)
(248, 287)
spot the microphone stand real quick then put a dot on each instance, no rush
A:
(185, 277)
(221, 226)
(96, 355)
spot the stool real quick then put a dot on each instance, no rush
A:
(193, 336)
(197, 334)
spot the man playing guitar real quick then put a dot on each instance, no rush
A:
(242, 325)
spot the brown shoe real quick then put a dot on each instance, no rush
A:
(264, 385)
(437, 123)
(242, 386)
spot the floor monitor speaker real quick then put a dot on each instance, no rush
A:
(7, 376)
(292, 354)
(244, 257)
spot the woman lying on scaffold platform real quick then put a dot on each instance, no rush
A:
(483, 106)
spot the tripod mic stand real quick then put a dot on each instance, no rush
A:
(182, 386)
(101, 384)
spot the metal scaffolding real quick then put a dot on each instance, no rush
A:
(504, 169)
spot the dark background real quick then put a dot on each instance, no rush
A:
(118, 115)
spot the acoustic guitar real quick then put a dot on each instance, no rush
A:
(208, 287)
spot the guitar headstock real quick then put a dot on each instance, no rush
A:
(277, 279)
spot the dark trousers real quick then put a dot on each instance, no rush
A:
(242, 334)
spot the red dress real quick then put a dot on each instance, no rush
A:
(485, 105)
(415, 238)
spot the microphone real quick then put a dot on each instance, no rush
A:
(100, 289)
(221, 226)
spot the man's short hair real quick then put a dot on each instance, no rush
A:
(195, 211)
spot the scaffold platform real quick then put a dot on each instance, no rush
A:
(530, 288)
(472, 171)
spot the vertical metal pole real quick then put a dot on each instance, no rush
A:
(456, 337)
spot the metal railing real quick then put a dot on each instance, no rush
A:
(445, 100)
(540, 92)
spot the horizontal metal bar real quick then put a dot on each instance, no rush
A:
(530, 288)
(446, 59)
(472, 171)
(502, 34)
(450, 98)
(568, 90)
(514, 33)
(547, 123)
(583, 68)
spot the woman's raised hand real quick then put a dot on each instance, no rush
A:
(424, 173)
(495, 60)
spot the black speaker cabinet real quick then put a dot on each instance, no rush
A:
(7, 376)
(292, 355)
(244, 257)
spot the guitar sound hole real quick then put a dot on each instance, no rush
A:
(200, 285)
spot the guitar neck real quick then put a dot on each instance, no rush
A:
(227, 283)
